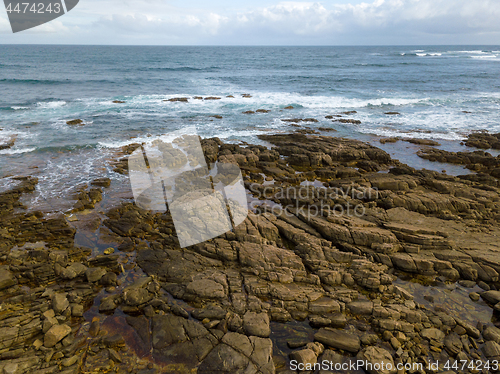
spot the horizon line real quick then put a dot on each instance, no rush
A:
(247, 45)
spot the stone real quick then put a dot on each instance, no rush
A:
(109, 279)
(11, 368)
(59, 302)
(474, 296)
(77, 310)
(114, 355)
(492, 297)
(70, 361)
(55, 334)
(256, 324)
(338, 339)
(377, 358)
(136, 296)
(492, 350)
(492, 333)
(453, 344)
(206, 288)
(433, 334)
(74, 270)
(115, 340)
(94, 274)
(360, 308)
(324, 305)
(305, 357)
(7, 278)
(107, 304)
(224, 359)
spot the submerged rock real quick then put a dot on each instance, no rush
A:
(338, 339)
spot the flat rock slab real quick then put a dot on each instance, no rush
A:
(338, 339)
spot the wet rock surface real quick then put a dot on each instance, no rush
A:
(326, 266)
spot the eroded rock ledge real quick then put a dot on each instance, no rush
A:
(223, 305)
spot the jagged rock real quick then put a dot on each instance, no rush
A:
(378, 358)
(74, 270)
(256, 324)
(94, 274)
(136, 296)
(108, 279)
(492, 333)
(239, 354)
(55, 335)
(433, 334)
(206, 288)
(7, 278)
(59, 303)
(492, 350)
(453, 344)
(108, 304)
(305, 357)
(179, 99)
(101, 182)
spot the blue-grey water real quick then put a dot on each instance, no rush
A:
(441, 92)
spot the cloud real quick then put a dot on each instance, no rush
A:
(289, 22)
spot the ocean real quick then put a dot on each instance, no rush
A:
(439, 92)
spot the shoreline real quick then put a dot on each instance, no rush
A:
(390, 285)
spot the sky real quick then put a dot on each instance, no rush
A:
(268, 22)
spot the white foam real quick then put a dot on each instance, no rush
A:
(8, 183)
(167, 138)
(469, 52)
(51, 104)
(19, 107)
(429, 54)
(486, 56)
(14, 151)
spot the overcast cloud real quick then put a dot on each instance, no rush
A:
(381, 22)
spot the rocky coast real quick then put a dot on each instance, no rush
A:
(346, 254)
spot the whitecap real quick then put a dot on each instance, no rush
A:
(19, 107)
(167, 138)
(51, 104)
(486, 56)
(469, 52)
(15, 151)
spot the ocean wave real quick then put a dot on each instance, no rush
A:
(485, 56)
(8, 183)
(469, 52)
(146, 139)
(16, 151)
(429, 54)
(182, 68)
(35, 81)
(19, 107)
(51, 104)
